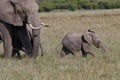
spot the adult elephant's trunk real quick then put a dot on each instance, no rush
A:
(36, 42)
(34, 22)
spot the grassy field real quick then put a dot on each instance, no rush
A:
(104, 66)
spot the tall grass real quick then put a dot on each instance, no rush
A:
(105, 66)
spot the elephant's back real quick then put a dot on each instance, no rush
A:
(73, 36)
(72, 40)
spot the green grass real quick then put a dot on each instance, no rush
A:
(104, 66)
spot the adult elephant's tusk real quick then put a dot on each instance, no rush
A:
(31, 26)
(44, 25)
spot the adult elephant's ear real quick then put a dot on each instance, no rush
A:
(8, 13)
(87, 37)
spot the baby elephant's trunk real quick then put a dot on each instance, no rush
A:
(102, 48)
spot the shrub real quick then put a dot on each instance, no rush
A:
(72, 7)
(48, 5)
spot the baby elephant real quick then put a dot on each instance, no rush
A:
(73, 42)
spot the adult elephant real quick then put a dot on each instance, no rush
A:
(16, 14)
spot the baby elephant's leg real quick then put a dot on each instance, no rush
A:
(73, 54)
(83, 53)
(16, 52)
(86, 49)
(62, 54)
(18, 55)
(64, 51)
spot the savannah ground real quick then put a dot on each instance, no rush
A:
(104, 66)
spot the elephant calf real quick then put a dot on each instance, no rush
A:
(73, 42)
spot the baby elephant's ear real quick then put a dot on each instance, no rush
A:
(87, 38)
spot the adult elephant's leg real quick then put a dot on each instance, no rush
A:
(23, 36)
(7, 42)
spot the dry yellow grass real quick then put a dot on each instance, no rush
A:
(105, 66)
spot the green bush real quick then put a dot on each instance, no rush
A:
(87, 5)
(49, 5)
(72, 7)
(46, 7)
(109, 5)
(61, 6)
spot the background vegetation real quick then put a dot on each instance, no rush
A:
(104, 66)
(48, 5)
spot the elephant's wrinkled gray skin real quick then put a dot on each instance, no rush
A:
(73, 42)
(18, 13)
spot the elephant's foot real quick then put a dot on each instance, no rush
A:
(7, 56)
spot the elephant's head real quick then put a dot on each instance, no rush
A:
(17, 12)
(26, 11)
(92, 38)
